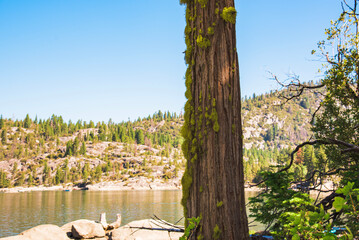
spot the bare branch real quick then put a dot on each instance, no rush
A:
(325, 141)
(329, 173)
(348, 6)
(296, 87)
(315, 112)
(320, 141)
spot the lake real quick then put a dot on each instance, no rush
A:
(21, 211)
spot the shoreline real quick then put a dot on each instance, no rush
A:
(106, 186)
(101, 186)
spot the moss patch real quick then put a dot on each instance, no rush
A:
(216, 232)
(203, 42)
(203, 3)
(229, 14)
(210, 31)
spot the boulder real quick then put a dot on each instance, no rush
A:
(87, 229)
(132, 231)
(123, 233)
(41, 232)
(68, 227)
(18, 237)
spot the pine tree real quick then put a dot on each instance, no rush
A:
(69, 148)
(3, 136)
(75, 146)
(4, 181)
(140, 139)
(30, 180)
(83, 149)
(27, 121)
(58, 176)
(85, 172)
(2, 123)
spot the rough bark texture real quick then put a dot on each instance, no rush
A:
(213, 184)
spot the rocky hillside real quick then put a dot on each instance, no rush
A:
(273, 123)
(53, 152)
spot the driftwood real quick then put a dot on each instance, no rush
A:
(161, 226)
(167, 223)
(110, 226)
(103, 221)
(160, 229)
(115, 224)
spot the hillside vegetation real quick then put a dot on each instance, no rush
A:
(51, 152)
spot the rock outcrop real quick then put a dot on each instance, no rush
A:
(137, 230)
(41, 232)
(83, 228)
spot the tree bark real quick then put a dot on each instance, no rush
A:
(213, 183)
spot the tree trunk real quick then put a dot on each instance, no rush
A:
(213, 183)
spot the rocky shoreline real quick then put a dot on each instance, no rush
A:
(148, 229)
(138, 184)
(135, 184)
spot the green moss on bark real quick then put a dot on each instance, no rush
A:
(229, 14)
(216, 232)
(203, 3)
(203, 42)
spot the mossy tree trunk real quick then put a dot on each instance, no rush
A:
(213, 183)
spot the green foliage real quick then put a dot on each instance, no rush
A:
(271, 134)
(2, 122)
(229, 14)
(308, 225)
(272, 206)
(4, 181)
(191, 228)
(72, 148)
(140, 139)
(83, 149)
(316, 224)
(304, 103)
(27, 121)
(339, 116)
(292, 215)
(3, 136)
(348, 205)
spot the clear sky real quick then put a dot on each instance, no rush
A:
(102, 59)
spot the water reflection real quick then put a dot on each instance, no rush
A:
(21, 211)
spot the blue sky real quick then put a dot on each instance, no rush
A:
(96, 60)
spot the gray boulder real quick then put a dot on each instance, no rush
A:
(87, 229)
(92, 229)
(18, 237)
(41, 232)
